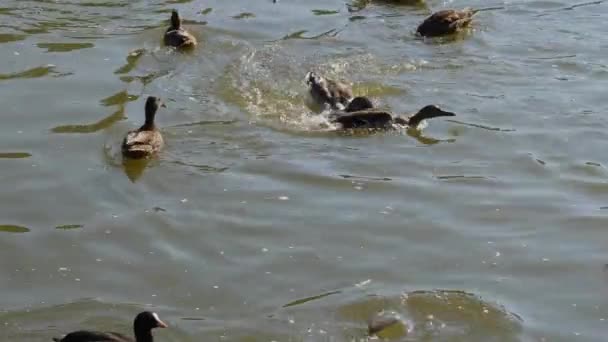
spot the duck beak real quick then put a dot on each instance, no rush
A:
(448, 113)
(163, 105)
(161, 324)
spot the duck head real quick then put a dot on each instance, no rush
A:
(432, 111)
(144, 323)
(312, 78)
(359, 103)
(427, 112)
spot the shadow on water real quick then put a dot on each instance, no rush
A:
(10, 228)
(413, 133)
(132, 59)
(244, 15)
(8, 37)
(119, 99)
(94, 127)
(69, 226)
(14, 155)
(134, 168)
(36, 72)
(64, 47)
(359, 5)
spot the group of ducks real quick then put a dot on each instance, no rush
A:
(349, 112)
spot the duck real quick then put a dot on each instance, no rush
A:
(176, 36)
(448, 21)
(146, 140)
(142, 327)
(325, 91)
(361, 114)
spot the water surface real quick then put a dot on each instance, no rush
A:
(257, 223)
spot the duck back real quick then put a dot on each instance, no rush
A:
(94, 336)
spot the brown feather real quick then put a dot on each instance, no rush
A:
(446, 22)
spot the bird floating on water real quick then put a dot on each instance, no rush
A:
(146, 140)
(177, 36)
(448, 21)
(142, 328)
(325, 91)
(361, 114)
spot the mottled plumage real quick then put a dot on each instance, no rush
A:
(325, 91)
(177, 36)
(377, 119)
(142, 327)
(146, 140)
(446, 22)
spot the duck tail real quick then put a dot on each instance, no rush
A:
(427, 112)
(56, 339)
(476, 10)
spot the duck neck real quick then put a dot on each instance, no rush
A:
(148, 125)
(144, 336)
(176, 22)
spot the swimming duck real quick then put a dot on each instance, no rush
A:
(176, 35)
(448, 21)
(361, 114)
(326, 91)
(142, 327)
(445, 22)
(146, 140)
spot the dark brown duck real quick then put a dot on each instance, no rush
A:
(147, 140)
(448, 21)
(177, 36)
(361, 114)
(142, 328)
(325, 91)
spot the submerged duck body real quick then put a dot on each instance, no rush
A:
(177, 36)
(446, 22)
(361, 115)
(146, 140)
(142, 327)
(325, 91)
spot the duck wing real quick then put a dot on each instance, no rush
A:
(365, 119)
(94, 336)
(139, 144)
(339, 93)
(179, 38)
(137, 137)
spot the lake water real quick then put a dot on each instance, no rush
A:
(256, 223)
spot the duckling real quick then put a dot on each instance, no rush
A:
(142, 327)
(448, 21)
(147, 140)
(362, 115)
(326, 91)
(177, 36)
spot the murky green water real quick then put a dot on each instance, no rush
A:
(256, 224)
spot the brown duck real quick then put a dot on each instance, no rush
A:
(448, 21)
(142, 327)
(177, 36)
(361, 114)
(146, 140)
(325, 91)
